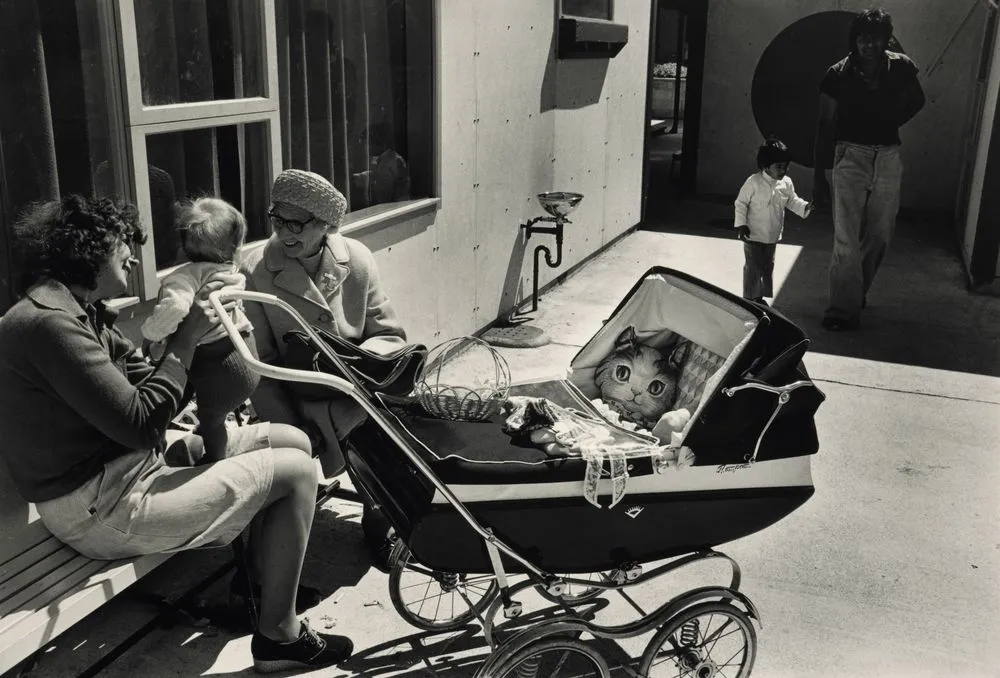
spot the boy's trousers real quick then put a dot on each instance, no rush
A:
(758, 270)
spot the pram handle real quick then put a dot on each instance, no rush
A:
(216, 299)
(287, 374)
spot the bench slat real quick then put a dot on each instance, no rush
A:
(31, 565)
(57, 607)
(45, 589)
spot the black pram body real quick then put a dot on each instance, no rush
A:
(751, 433)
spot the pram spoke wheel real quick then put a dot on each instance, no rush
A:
(554, 658)
(436, 601)
(708, 640)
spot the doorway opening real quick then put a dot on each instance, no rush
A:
(675, 75)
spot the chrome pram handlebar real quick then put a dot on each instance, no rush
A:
(344, 386)
(273, 371)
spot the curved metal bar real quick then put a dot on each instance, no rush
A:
(651, 620)
(273, 371)
(784, 394)
(787, 388)
(286, 374)
(661, 614)
(491, 612)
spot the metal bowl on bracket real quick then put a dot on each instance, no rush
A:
(559, 203)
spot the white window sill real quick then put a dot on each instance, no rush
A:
(380, 216)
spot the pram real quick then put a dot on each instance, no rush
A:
(473, 511)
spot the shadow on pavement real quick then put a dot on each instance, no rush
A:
(919, 310)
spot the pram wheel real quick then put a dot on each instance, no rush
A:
(708, 640)
(554, 658)
(436, 601)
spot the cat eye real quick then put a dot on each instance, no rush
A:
(622, 372)
(656, 387)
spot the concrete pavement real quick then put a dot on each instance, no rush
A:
(891, 569)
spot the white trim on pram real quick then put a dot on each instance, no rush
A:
(789, 472)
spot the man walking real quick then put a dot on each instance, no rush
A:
(864, 99)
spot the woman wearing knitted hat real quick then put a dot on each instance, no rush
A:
(334, 283)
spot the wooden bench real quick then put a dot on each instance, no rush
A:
(45, 586)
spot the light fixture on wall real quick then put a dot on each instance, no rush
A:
(513, 331)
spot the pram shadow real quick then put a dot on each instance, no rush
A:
(336, 556)
(458, 653)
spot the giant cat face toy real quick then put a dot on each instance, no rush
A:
(639, 382)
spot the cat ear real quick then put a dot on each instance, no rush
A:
(626, 338)
(679, 354)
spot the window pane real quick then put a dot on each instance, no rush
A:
(591, 9)
(356, 92)
(230, 162)
(55, 131)
(199, 50)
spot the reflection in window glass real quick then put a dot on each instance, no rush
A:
(55, 134)
(199, 50)
(591, 9)
(230, 162)
(356, 94)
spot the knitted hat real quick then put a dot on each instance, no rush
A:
(311, 192)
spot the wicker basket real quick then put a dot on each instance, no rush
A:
(467, 359)
(458, 403)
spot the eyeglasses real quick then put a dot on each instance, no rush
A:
(292, 225)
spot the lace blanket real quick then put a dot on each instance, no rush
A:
(562, 432)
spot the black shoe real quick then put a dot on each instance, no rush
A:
(306, 597)
(310, 650)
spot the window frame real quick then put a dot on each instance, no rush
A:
(142, 120)
(134, 121)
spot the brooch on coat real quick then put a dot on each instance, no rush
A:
(328, 282)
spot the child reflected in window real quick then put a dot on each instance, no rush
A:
(387, 178)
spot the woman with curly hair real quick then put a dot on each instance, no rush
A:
(83, 417)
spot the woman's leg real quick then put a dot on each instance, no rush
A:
(283, 535)
(281, 436)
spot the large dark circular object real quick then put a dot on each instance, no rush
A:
(785, 90)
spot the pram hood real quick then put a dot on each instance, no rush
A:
(754, 345)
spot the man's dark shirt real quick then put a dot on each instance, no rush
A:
(870, 116)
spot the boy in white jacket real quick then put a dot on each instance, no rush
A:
(212, 231)
(760, 217)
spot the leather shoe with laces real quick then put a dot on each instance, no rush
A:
(310, 650)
